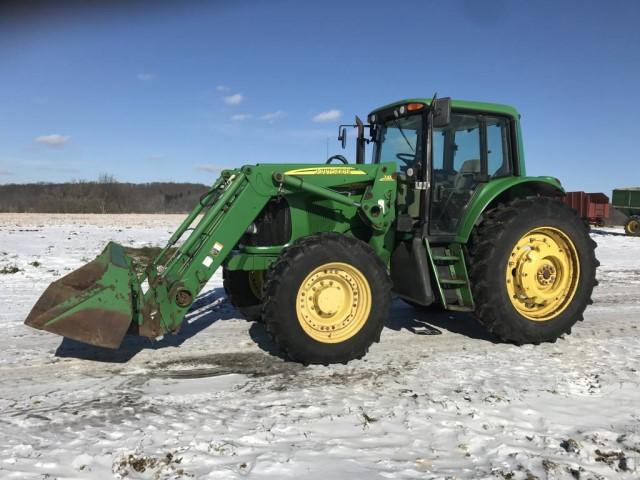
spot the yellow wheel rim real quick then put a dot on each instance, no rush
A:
(333, 302)
(633, 227)
(256, 280)
(542, 273)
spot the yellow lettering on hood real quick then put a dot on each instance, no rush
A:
(326, 171)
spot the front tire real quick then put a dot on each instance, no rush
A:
(244, 290)
(532, 270)
(326, 299)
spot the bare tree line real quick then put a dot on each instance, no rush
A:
(103, 196)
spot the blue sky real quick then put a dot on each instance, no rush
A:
(174, 90)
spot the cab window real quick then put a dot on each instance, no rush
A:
(498, 147)
(400, 142)
(466, 148)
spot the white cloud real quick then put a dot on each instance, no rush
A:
(155, 157)
(145, 77)
(328, 116)
(239, 117)
(222, 88)
(235, 99)
(209, 167)
(273, 116)
(5, 172)
(53, 140)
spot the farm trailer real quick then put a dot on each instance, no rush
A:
(593, 208)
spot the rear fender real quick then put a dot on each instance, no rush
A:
(502, 190)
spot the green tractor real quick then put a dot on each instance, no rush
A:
(627, 201)
(442, 215)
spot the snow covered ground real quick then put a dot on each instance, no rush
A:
(436, 398)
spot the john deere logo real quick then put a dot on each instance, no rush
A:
(326, 171)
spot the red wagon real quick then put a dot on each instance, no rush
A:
(592, 207)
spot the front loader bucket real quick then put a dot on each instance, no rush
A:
(92, 304)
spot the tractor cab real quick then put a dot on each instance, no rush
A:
(445, 155)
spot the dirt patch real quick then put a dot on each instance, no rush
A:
(570, 445)
(613, 459)
(168, 464)
(252, 364)
(6, 270)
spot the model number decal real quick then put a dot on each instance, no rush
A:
(326, 171)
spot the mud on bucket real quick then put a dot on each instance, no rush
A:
(91, 304)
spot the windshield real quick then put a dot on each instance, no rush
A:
(400, 141)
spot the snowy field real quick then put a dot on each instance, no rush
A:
(436, 398)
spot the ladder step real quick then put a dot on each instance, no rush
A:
(445, 258)
(460, 308)
(451, 276)
(452, 281)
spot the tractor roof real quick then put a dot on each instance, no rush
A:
(465, 104)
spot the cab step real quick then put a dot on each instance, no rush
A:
(450, 272)
(445, 258)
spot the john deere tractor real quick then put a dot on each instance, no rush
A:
(443, 214)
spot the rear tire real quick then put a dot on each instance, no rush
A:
(326, 299)
(632, 227)
(532, 270)
(242, 287)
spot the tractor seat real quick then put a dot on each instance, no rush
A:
(464, 178)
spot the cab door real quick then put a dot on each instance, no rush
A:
(468, 152)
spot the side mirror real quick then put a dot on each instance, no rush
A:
(441, 112)
(342, 137)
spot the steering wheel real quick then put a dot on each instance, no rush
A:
(406, 157)
(337, 157)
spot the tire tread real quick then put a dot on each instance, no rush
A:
(276, 279)
(488, 237)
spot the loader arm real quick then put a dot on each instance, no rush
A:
(216, 224)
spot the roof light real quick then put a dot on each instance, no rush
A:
(412, 107)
